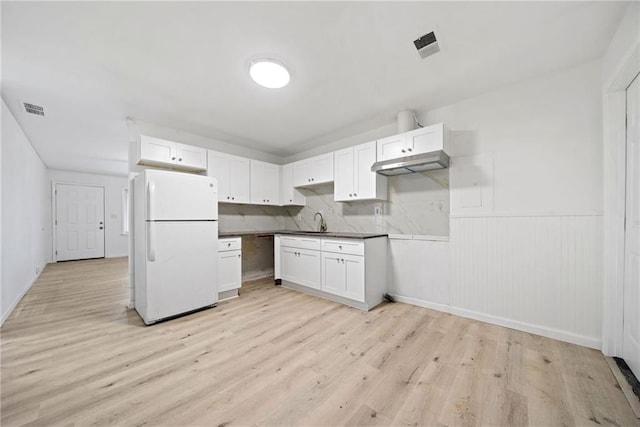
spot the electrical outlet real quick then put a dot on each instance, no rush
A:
(377, 210)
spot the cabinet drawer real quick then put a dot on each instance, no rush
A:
(230, 244)
(353, 247)
(300, 242)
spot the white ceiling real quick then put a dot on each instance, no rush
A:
(183, 65)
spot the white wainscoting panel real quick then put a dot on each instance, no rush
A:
(420, 270)
(538, 274)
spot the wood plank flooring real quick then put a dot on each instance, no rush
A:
(73, 354)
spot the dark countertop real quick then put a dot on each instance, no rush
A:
(336, 235)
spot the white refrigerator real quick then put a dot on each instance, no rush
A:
(175, 259)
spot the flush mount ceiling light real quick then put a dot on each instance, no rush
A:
(269, 73)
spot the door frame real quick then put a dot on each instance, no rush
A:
(615, 159)
(54, 201)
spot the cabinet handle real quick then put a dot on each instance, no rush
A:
(313, 179)
(409, 149)
(354, 194)
(290, 200)
(350, 195)
(173, 158)
(233, 198)
(339, 246)
(228, 197)
(180, 159)
(239, 255)
(228, 244)
(403, 150)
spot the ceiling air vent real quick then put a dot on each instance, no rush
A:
(34, 109)
(427, 45)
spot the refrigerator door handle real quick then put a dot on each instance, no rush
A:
(151, 250)
(151, 193)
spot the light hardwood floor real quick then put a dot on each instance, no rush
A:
(72, 353)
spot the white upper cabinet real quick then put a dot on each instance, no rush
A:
(316, 170)
(289, 195)
(160, 152)
(353, 177)
(265, 183)
(418, 141)
(191, 157)
(392, 147)
(233, 175)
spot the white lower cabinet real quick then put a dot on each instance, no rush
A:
(229, 266)
(301, 266)
(343, 275)
(350, 271)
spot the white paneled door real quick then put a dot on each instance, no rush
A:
(79, 222)
(631, 328)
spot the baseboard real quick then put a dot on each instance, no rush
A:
(421, 303)
(21, 295)
(508, 323)
(117, 255)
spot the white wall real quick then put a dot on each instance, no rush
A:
(116, 244)
(624, 43)
(25, 214)
(526, 205)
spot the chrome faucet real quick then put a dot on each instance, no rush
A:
(322, 226)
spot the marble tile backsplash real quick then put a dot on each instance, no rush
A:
(249, 217)
(418, 204)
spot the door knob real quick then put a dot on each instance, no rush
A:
(100, 222)
(101, 227)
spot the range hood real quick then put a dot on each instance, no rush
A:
(412, 164)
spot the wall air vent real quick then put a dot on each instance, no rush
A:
(34, 109)
(427, 45)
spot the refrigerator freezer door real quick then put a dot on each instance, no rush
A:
(184, 273)
(180, 196)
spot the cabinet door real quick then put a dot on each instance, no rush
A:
(364, 181)
(289, 265)
(322, 169)
(156, 150)
(258, 180)
(218, 167)
(265, 183)
(302, 173)
(332, 274)
(310, 270)
(391, 147)
(288, 194)
(239, 179)
(272, 184)
(353, 277)
(190, 157)
(425, 140)
(344, 173)
(229, 270)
